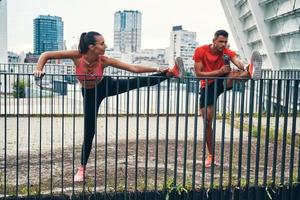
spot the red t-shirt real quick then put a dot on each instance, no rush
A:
(210, 60)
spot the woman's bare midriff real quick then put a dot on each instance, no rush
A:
(89, 84)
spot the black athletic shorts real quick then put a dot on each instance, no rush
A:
(211, 92)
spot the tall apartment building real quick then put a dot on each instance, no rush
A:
(127, 31)
(270, 26)
(3, 31)
(48, 33)
(183, 44)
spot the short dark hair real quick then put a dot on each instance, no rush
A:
(86, 39)
(221, 32)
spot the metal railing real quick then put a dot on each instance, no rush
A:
(62, 92)
(149, 139)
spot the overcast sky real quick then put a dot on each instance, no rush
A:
(158, 16)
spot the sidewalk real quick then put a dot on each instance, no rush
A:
(68, 126)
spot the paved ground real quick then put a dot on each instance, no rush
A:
(41, 129)
(58, 169)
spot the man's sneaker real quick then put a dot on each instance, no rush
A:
(79, 176)
(178, 69)
(255, 65)
(208, 161)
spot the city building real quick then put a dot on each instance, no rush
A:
(270, 26)
(154, 57)
(48, 34)
(183, 44)
(127, 31)
(31, 57)
(3, 31)
(13, 57)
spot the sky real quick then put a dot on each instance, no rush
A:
(158, 16)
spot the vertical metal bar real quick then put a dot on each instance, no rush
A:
(294, 117)
(40, 139)
(250, 133)
(137, 134)
(163, 102)
(195, 136)
(117, 134)
(171, 98)
(167, 137)
(278, 103)
(96, 134)
(11, 102)
(106, 137)
(223, 137)
(84, 133)
(62, 134)
(192, 108)
(231, 133)
(204, 134)
(256, 98)
(212, 168)
(182, 98)
(241, 141)
(186, 130)
(286, 107)
(51, 142)
(127, 135)
(147, 136)
(84, 128)
(157, 134)
(269, 96)
(246, 84)
(176, 132)
(74, 135)
(28, 131)
(258, 132)
(5, 135)
(17, 135)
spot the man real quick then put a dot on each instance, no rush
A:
(213, 61)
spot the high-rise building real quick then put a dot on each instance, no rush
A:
(183, 44)
(127, 31)
(270, 26)
(3, 31)
(48, 34)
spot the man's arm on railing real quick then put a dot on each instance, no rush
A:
(200, 73)
(239, 63)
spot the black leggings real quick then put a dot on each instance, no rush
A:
(114, 87)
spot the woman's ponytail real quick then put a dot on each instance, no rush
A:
(85, 40)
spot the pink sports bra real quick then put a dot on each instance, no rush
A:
(89, 74)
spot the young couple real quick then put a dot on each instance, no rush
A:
(90, 61)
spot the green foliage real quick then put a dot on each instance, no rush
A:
(19, 89)
(178, 188)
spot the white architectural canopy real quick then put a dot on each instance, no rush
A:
(270, 26)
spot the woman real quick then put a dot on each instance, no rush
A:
(90, 62)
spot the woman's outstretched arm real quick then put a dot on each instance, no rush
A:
(71, 54)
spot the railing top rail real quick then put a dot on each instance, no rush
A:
(141, 75)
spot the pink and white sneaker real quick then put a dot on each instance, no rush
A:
(177, 70)
(255, 65)
(79, 176)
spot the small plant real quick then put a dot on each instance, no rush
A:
(177, 189)
(19, 89)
